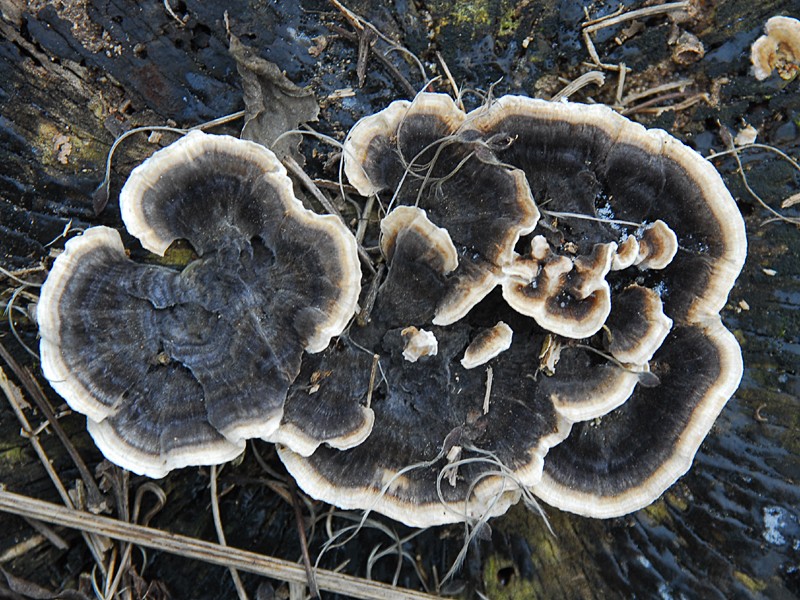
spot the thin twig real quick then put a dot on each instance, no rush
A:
(22, 548)
(590, 78)
(182, 545)
(352, 37)
(589, 27)
(308, 183)
(487, 395)
(35, 391)
(449, 75)
(732, 149)
(237, 581)
(161, 500)
(623, 70)
(646, 107)
(666, 87)
(172, 13)
(359, 22)
(313, 589)
(373, 371)
(372, 294)
(648, 11)
(14, 276)
(361, 230)
(15, 399)
(47, 531)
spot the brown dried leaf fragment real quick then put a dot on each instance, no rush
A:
(273, 104)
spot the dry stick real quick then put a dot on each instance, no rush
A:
(301, 532)
(48, 533)
(22, 548)
(361, 230)
(623, 70)
(487, 395)
(308, 183)
(648, 11)
(35, 391)
(14, 275)
(327, 184)
(352, 37)
(15, 399)
(237, 582)
(732, 149)
(648, 106)
(588, 21)
(592, 77)
(209, 552)
(667, 87)
(372, 293)
(592, 26)
(449, 75)
(360, 23)
(366, 42)
(373, 372)
(172, 14)
(126, 554)
(348, 14)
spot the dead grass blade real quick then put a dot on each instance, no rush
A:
(209, 552)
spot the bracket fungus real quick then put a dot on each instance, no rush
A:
(778, 48)
(179, 367)
(595, 252)
(548, 321)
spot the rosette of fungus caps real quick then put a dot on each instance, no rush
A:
(180, 367)
(575, 308)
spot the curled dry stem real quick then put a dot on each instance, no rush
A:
(734, 151)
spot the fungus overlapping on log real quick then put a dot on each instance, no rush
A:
(179, 367)
(606, 249)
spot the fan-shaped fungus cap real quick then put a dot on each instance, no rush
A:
(640, 245)
(488, 344)
(626, 459)
(568, 296)
(608, 180)
(425, 408)
(425, 154)
(442, 255)
(179, 367)
(778, 49)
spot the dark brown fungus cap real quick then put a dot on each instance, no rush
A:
(174, 368)
(627, 458)
(565, 295)
(618, 364)
(426, 408)
(605, 178)
(637, 326)
(442, 254)
(608, 180)
(657, 247)
(424, 154)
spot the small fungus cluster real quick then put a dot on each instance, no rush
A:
(778, 49)
(548, 321)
